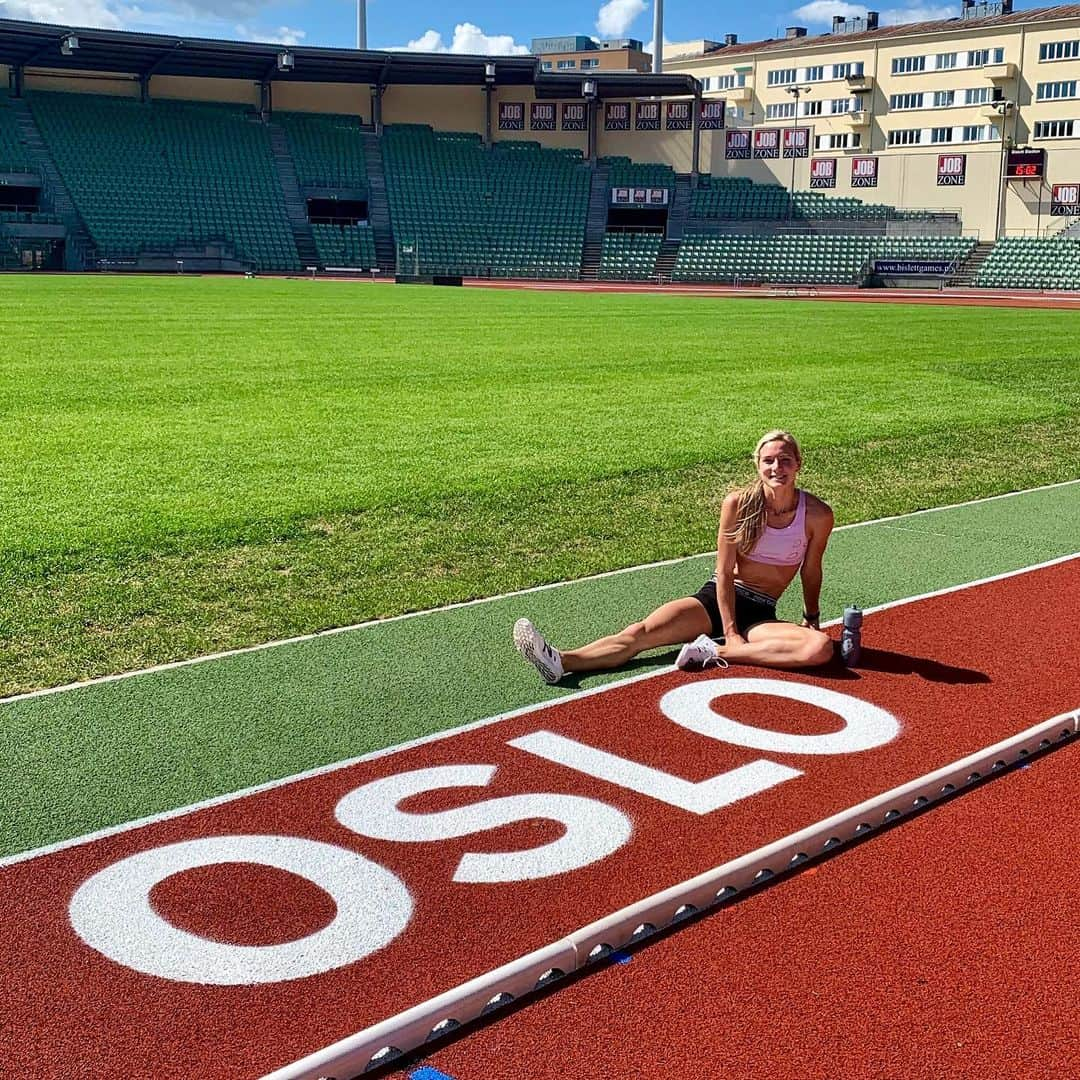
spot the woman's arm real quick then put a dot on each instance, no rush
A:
(820, 518)
(726, 554)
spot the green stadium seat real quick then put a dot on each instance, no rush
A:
(155, 176)
(514, 210)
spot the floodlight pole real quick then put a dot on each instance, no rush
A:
(658, 36)
(361, 24)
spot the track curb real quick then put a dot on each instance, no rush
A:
(424, 1023)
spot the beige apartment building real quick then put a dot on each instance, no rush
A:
(582, 54)
(930, 115)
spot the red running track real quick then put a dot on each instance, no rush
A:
(953, 682)
(947, 947)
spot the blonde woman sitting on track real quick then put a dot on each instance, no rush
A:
(770, 531)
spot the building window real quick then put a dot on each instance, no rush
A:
(905, 137)
(979, 95)
(781, 111)
(982, 57)
(944, 61)
(545, 65)
(979, 132)
(845, 105)
(782, 77)
(590, 63)
(941, 135)
(566, 64)
(1060, 50)
(908, 65)
(812, 108)
(905, 101)
(943, 99)
(844, 140)
(1051, 91)
(815, 73)
(851, 70)
(1053, 129)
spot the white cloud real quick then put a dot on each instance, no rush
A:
(469, 39)
(932, 13)
(231, 19)
(99, 13)
(821, 12)
(283, 35)
(617, 16)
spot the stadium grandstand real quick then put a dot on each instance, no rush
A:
(939, 150)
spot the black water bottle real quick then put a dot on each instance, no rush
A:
(851, 636)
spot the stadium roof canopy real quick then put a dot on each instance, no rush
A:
(38, 45)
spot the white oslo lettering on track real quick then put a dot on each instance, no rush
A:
(865, 725)
(702, 797)
(111, 912)
(593, 829)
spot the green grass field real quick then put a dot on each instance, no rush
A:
(192, 465)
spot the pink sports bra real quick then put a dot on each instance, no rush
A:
(787, 546)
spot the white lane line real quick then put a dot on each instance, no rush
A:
(300, 638)
(322, 770)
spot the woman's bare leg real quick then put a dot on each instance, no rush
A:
(780, 645)
(672, 624)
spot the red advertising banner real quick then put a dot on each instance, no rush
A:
(823, 172)
(679, 116)
(1065, 200)
(712, 115)
(796, 142)
(767, 143)
(647, 116)
(575, 116)
(542, 116)
(737, 144)
(951, 170)
(511, 115)
(864, 172)
(616, 115)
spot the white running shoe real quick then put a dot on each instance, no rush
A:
(700, 653)
(531, 644)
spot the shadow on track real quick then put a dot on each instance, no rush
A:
(892, 663)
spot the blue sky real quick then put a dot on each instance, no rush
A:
(457, 25)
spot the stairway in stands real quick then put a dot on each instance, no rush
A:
(676, 227)
(379, 205)
(596, 222)
(295, 207)
(82, 253)
(968, 270)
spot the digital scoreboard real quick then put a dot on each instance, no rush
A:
(1025, 165)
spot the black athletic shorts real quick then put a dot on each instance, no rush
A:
(751, 607)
